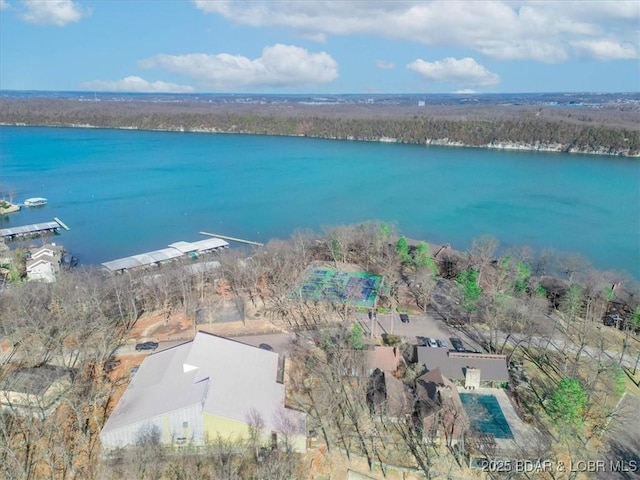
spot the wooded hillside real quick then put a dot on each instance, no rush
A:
(609, 131)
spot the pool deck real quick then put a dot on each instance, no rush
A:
(525, 437)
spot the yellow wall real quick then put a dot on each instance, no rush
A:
(224, 427)
(235, 430)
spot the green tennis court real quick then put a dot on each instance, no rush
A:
(359, 289)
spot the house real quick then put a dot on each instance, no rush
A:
(439, 409)
(34, 390)
(387, 396)
(490, 370)
(208, 388)
(44, 263)
(363, 363)
(387, 359)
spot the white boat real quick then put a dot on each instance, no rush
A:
(35, 202)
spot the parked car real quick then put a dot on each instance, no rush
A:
(111, 364)
(133, 371)
(404, 318)
(146, 346)
(441, 343)
(266, 346)
(457, 344)
(431, 342)
(372, 315)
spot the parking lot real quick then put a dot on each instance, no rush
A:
(419, 325)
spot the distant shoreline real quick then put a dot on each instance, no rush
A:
(608, 131)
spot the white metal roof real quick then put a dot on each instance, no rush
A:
(209, 244)
(174, 250)
(231, 377)
(26, 229)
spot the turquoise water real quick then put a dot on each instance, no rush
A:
(485, 415)
(124, 192)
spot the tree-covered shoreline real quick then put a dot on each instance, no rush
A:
(593, 131)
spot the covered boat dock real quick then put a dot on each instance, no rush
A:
(30, 230)
(165, 255)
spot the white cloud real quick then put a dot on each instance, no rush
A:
(464, 72)
(136, 84)
(541, 30)
(52, 12)
(465, 91)
(280, 65)
(381, 64)
(605, 50)
(3, 4)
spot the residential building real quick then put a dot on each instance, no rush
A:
(44, 263)
(199, 391)
(387, 396)
(34, 390)
(439, 409)
(490, 370)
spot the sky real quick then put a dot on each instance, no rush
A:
(325, 47)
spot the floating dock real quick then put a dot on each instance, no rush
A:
(233, 239)
(33, 230)
(61, 223)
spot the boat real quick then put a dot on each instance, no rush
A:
(35, 202)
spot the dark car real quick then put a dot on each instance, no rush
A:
(457, 344)
(266, 346)
(441, 343)
(111, 364)
(404, 318)
(146, 346)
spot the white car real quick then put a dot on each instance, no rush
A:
(431, 342)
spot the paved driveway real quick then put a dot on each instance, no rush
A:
(421, 325)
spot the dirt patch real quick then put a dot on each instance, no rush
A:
(156, 326)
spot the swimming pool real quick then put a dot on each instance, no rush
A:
(485, 415)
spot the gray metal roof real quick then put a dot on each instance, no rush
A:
(493, 368)
(200, 246)
(173, 251)
(230, 377)
(35, 380)
(209, 244)
(28, 229)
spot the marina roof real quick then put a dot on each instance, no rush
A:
(175, 250)
(28, 229)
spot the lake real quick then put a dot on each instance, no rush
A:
(124, 192)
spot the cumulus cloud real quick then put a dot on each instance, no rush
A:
(278, 66)
(381, 64)
(605, 50)
(52, 12)
(136, 84)
(541, 30)
(464, 72)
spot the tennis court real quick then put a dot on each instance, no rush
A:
(359, 289)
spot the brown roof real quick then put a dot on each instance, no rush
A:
(439, 405)
(386, 359)
(493, 368)
(388, 395)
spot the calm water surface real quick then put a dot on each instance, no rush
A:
(125, 192)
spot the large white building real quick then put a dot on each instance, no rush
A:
(208, 388)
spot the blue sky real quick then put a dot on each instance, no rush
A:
(309, 46)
